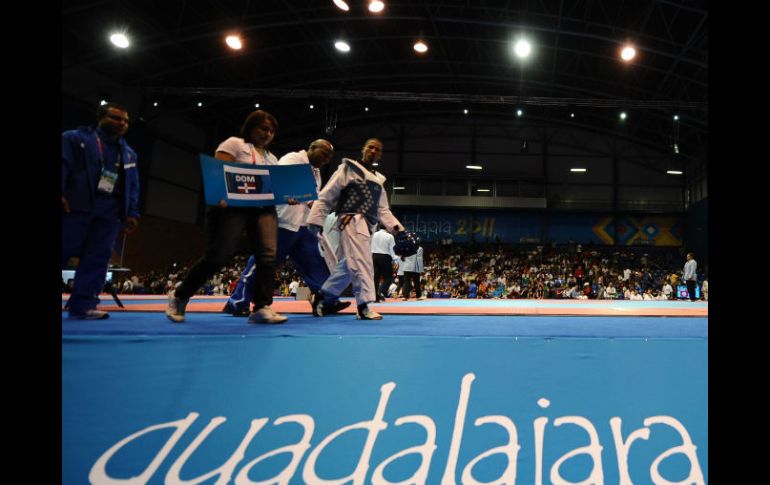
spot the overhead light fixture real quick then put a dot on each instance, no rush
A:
(522, 48)
(342, 46)
(234, 42)
(200, 104)
(676, 148)
(572, 115)
(312, 107)
(342, 5)
(483, 190)
(256, 105)
(622, 115)
(155, 104)
(399, 188)
(473, 167)
(577, 170)
(524, 146)
(628, 53)
(676, 117)
(119, 39)
(674, 172)
(375, 164)
(420, 47)
(366, 108)
(465, 111)
(376, 6)
(519, 112)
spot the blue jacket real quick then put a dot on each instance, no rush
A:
(81, 169)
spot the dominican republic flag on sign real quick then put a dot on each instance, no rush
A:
(247, 183)
(242, 185)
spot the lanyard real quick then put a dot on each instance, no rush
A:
(101, 152)
(254, 155)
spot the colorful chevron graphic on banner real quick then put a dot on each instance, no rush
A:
(627, 231)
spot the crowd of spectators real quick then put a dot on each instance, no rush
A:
(488, 271)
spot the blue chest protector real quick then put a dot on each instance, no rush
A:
(360, 198)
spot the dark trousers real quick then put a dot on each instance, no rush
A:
(302, 248)
(691, 285)
(412, 277)
(224, 229)
(90, 236)
(383, 268)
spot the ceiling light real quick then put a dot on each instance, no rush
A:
(473, 167)
(366, 108)
(483, 190)
(399, 188)
(376, 6)
(120, 40)
(420, 47)
(572, 115)
(577, 170)
(342, 46)
(311, 106)
(465, 111)
(375, 164)
(234, 42)
(522, 48)
(674, 172)
(519, 112)
(628, 53)
(256, 105)
(200, 104)
(102, 102)
(342, 5)
(622, 115)
(155, 104)
(676, 117)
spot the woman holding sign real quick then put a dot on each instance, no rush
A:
(224, 226)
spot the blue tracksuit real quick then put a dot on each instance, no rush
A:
(90, 228)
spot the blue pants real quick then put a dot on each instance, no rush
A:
(90, 236)
(302, 248)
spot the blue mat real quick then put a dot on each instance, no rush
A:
(299, 325)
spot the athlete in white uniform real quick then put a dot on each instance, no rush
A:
(356, 193)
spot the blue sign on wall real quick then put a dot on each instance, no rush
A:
(522, 227)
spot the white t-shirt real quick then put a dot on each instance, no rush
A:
(244, 152)
(292, 217)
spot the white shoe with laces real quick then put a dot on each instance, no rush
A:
(267, 315)
(92, 314)
(176, 307)
(366, 313)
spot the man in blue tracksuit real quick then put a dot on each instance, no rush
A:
(100, 192)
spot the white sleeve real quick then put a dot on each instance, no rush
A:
(292, 158)
(385, 216)
(231, 146)
(328, 197)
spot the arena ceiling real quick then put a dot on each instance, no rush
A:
(288, 62)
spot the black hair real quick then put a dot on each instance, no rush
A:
(102, 110)
(255, 118)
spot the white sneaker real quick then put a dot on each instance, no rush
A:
(367, 313)
(92, 314)
(267, 315)
(176, 307)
